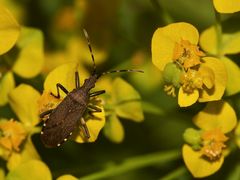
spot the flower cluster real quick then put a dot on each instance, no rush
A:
(202, 75)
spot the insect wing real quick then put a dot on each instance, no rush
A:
(61, 123)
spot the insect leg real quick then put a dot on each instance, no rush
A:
(45, 113)
(85, 128)
(94, 108)
(96, 93)
(58, 85)
(77, 80)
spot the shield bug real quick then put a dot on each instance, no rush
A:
(68, 115)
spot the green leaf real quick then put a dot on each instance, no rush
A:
(7, 83)
(31, 57)
(235, 173)
(113, 129)
(23, 100)
(33, 169)
(9, 30)
(233, 72)
(127, 100)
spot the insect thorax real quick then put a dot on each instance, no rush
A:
(89, 83)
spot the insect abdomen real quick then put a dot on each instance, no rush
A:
(62, 122)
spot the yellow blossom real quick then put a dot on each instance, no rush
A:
(215, 120)
(12, 134)
(227, 6)
(176, 53)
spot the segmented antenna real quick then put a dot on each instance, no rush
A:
(90, 49)
(121, 70)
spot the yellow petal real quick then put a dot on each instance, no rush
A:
(208, 40)
(217, 114)
(198, 166)
(9, 30)
(208, 76)
(220, 76)
(127, 101)
(94, 127)
(65, 75)
(33, 169)
(227, 6)
(30, 60)
(7, 83)
(67, 177)
(53, 60)
(84, 56)
(229, 42)
(185, 99)
(165, 38)
(47, 102)
(233, 71)
(23, 101)
(27, 153)
(113, 129)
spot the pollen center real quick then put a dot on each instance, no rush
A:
(186, 54)
(213, 143)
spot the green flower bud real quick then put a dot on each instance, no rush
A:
(193, 138)
(171, 74)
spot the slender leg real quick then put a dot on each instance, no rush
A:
(96, 93)
(77, 80)
(85, 128)
(94, 108)
(45, 113)
(58, 85)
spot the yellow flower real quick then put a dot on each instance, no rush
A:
(12, 134)
(229, 44)
(176, 53)
(227, 6)
(204, 153)
(16, 135)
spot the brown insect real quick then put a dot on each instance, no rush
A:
(67, 116)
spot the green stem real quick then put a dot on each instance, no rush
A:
(164, 13)
(175, 173)
(134, 163)
(218, 28)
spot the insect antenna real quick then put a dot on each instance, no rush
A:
(121, 70)
(90, 49)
